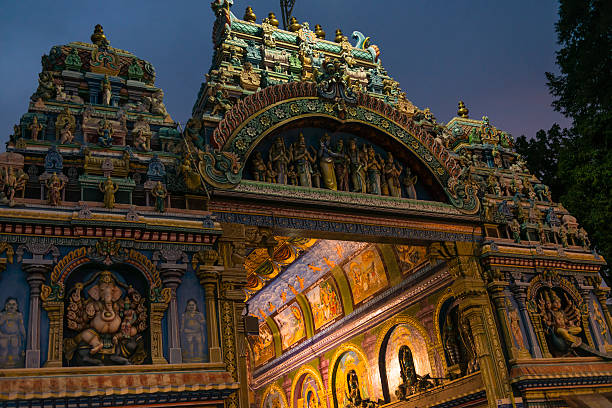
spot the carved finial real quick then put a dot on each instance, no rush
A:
(272, 20)
(462, 111)
(249, 15)
(98, 36)
(294, 25)
(339, 36)
(319, 32)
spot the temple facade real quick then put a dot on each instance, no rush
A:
(310, 238)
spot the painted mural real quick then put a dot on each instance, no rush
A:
(262, 345)
(366, 274)
(290, 323)
(409, 256)
(350, 361)
(405, 334)
(309, 396)
(12, 335)
(324, 302)
(274, 399)
(306, 270)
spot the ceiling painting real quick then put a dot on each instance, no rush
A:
(312, 264)
(324, 302)
(366, 274)
(290, 322)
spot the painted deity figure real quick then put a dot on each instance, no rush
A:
(108, 324)
(192, 333)
(326, 162)
(109, 188)
(515, 329)
(35, 128)
(409, 183)
(353, 397)
(13, 181)
(280, 158)
(562, 324)
(160, 193)
(357, 168)
(12, 335)
(303, 161)
(55, 185)
(392, 174)
(411, 381)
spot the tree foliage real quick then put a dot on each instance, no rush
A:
(577, 163)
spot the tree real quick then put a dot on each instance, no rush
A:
(542, 154)
(583, 92)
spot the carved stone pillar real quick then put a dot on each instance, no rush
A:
(35, 276)
(55, 310)
(36, 270)
(209, 277)
(476, 313)
(519, 290)
(171, 275)
(602, 295)
(498, 295)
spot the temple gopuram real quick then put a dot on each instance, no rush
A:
(310, 238)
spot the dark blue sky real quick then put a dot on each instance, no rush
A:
(491, 54)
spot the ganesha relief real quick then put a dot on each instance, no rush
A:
(108, 320)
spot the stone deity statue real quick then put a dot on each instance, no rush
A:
(109, 188)
(392, 174)
(108, 323)
(12, 335)
(562, 324)
(193, 333)
(160, 193)
(105, 134)
(55, 185)
(279, 158)
(374, 168)
(106, 91)
(66, 135)
(259, 167)
(409, 183)
(303, 161)
(357, 168)
(341, 166)
(35, 128)
(326, 162)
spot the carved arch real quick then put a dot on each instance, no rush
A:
(333, 366)
(255, 116)
(303, 372)
(273, 387)
(382, 342)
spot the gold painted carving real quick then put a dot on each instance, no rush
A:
(304, 371)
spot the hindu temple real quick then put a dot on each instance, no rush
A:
(310, 238)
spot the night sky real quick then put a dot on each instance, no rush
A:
(491, 54)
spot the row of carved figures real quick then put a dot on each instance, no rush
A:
(337, 167)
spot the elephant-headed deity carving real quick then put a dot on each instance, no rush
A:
(109, 319)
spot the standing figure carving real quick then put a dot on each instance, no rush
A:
(259, 167)
(409, 182)
(192, 333)
(411, 381)
(392, 174)
(109, 188)
(55, 185)
(35, 128)
(374, 168)
(12, 335)
(326, 162)
(353, 394)
(160, 193)
(303, 160)
(357, 168)
(279, 158)
(341, 166)
(106, 91)
(105, 134)
(109, 323)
